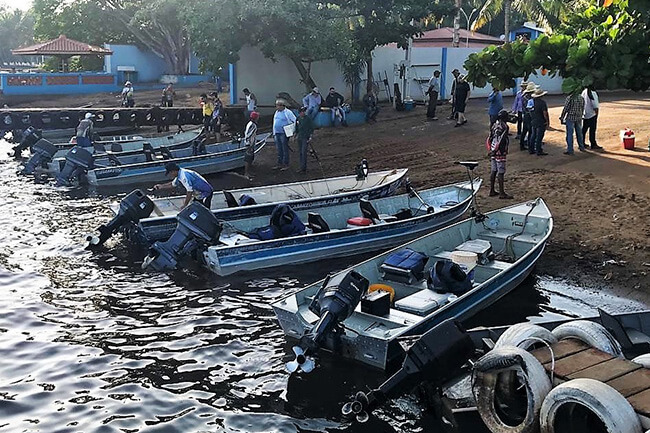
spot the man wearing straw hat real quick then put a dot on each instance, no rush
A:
(539, 121)
(524, 137)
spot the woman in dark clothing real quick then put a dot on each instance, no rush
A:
(460, 99)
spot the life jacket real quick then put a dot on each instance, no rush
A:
(448, 277)
(284, 223)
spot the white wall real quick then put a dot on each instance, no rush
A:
(266, 78)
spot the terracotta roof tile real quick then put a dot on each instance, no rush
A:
(61, 45)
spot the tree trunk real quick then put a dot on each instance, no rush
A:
(455, 41)
(370, 78)
(507, 6)
(305, 76)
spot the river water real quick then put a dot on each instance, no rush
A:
(90, 343)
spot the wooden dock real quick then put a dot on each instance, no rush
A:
(574, 359)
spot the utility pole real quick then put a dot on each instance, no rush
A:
(456, 38)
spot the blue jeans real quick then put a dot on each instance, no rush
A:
(303, 143)
(572, 125)
(282, 143)
(535, 137)
(336, 110)
(313, 112)
(84, 142)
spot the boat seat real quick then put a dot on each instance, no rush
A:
(230, 199)
(99, 147)
(369, 211)
(630, 339)
(317, 223)
(492, 264)
(166, 154)
(422, 302)
(116, 147)
(147, 149)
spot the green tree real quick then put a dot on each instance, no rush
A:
(16, 30)
(604, 47)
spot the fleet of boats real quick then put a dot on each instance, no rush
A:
(432, 269)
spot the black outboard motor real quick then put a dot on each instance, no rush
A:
(197, 228)
(42, 153)
(30, 136)
(77, 162)
(335, 301)
(435, 357)
(135, 206)
(362, 170)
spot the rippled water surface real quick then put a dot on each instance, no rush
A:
(90, 343)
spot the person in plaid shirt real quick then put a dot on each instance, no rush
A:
(571, 116)
(497, 143)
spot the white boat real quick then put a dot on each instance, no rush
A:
(507, 244)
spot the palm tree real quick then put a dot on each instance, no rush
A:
(545, 12)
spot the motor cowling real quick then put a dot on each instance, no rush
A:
(197, 227)
(30, 136)
(77, 162)
(42, 152)
(135, 206)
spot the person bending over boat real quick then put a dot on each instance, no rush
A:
(85, 131)
(196, 186)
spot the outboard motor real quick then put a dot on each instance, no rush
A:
(197, 227)
(435, 357)
(42, 152)
(77, 162)
(448, 277)
(335, 301)
(135, 206)
(30, 136)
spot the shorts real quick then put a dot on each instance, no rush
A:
(498, 166)
(249, 157)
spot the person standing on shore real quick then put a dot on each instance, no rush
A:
(282, 117)
(454, 83)
(460, 100)
(370, 105)
(304, 131)
(250, 138)
(207, 108)
(313, 100)
(539, 121)
(574, 107)
(127, 95)
(590, 117)
(85, 131)
(433, 91)
(495, 101)
(526, 132)
(498, 150)
(168, 95)
(518, 107)
(251, 101)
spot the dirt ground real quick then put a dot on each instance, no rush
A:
(600, 200)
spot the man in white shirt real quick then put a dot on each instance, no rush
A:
(127, 95)
(250, 137)
(590, 116)
(251, 101)
(433, 91)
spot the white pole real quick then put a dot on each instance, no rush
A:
(407, 72)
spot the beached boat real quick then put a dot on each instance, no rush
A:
(334, 231)
(301, 196)
(109, 172)
(505, 243)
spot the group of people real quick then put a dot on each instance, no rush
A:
(212, 110)
(313, 102)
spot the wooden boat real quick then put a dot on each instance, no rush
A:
(299, 195)
(515, 234)
(217, 158)
(400, 218)
(130, 145)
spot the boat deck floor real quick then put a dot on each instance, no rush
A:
(575, 359)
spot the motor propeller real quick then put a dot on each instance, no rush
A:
(334, 302)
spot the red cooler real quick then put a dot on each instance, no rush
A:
(627, 137)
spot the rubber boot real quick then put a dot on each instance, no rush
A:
(502, 192)
(493, 178)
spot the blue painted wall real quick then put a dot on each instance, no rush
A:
(28, 86)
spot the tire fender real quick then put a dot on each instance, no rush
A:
(525, 335)
(644, 360)
(485, 381)
(605, 402)
(591, 333)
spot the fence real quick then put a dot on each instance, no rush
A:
(57, 84)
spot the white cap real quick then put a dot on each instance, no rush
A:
(128, 83)
(89, 115)
(315, 89)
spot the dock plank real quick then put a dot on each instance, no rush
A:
(561, 349)
(607, 370)
(632, 383)
(578, 361)
(641, 402)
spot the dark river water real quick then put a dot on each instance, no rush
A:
(90, 343)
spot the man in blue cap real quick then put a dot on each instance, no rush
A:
(196, 186)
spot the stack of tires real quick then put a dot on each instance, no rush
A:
(514, 393)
